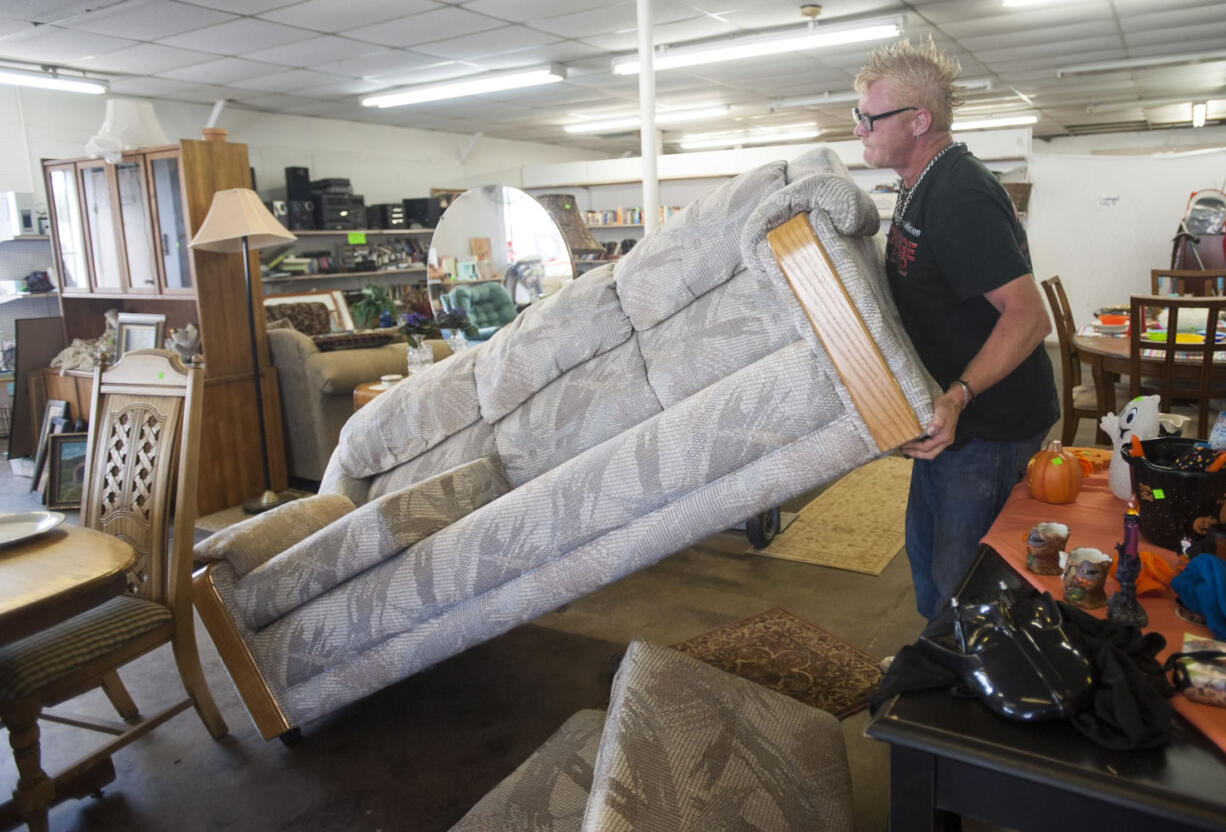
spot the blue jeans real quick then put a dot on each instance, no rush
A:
(954, 500)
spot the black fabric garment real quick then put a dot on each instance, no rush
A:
(1130, 707)
(959, 239)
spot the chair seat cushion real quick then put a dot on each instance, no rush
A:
(46, 657)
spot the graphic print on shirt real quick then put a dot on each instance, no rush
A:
(900, 250)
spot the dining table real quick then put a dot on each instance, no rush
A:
(60, 573)
(1109, 359)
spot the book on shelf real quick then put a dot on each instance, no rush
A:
(625, 216)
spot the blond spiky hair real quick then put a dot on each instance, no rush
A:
(922, 76)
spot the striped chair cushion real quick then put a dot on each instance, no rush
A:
(45, 657)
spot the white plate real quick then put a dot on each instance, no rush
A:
(1110, 329)
(27, 524)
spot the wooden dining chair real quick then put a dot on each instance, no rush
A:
(1189, 371)
(1195, 282)
(144, 429)
(1077, 400)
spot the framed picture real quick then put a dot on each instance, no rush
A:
(57, 409)
(338, 308)
(66, 464)
(138, 331)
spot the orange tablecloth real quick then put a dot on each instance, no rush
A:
(1096, 518)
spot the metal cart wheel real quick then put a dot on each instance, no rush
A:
(761, 530)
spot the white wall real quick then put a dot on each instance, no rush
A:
(1102, 222)
(384, 163)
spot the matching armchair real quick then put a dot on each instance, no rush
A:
(317, 391)
(488, 306)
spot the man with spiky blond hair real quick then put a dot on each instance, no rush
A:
(959, 270)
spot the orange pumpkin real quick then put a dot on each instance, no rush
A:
(1054, 475)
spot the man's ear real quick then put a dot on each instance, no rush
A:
(922, 122)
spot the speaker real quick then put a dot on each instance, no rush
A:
(385, 215)
(332, 212)
(423, 213)
(301, 215)
(298, 184)
(279, 209)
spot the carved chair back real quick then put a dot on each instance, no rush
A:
(145, 419)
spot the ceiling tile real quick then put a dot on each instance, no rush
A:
(220, 71)
(313, 52)
(12, 26)
(1174, 41)
(378, 60)
(50, 11)
(144, 59)
(146, 19)
(439, 71)
(238, 36)
(331, 16)
(1165, 17)
(50, 45)
(241, 6)
(160, 87)
(493, 41)
(425, 27)
(666, 33)
(342, 89)
(292, 81)
(519, 11)
(203, 93)
(1028, 37)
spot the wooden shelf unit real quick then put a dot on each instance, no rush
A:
(203, 288)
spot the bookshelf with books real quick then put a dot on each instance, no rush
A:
(347, 260)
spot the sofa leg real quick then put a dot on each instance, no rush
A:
(291, 737)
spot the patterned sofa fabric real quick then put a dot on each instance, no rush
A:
(634, 412)
(307, 318)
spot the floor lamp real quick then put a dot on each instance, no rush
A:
(238, 221)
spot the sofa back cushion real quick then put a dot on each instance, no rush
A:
(307, 318)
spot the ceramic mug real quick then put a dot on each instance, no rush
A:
(1043, 547)
(1085, 578)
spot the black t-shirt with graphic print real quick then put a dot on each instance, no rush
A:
(960, 239)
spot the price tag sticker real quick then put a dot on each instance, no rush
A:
(1055, 460)
(1159, 494)
(357, 238)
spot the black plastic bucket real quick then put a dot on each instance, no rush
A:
(1170, 500)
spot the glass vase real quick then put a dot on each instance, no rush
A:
(457, 341)
(420, 357)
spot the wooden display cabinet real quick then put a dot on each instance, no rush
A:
(120, 238)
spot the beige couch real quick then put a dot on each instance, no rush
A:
(317, 392)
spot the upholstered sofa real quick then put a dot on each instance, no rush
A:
(487, 305)
(317, 391)
(683, 747)
(744, 354)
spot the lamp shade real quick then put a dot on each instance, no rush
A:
(237, 213)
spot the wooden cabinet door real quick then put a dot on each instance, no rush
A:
(168, 209)
(103, 239)
(67, 228)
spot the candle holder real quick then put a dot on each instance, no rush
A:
(1123, 607)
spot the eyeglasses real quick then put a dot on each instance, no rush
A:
(866, 121)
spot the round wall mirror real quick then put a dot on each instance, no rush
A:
(497, 233)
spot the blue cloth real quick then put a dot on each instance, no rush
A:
(1201, 587)
(954, 500)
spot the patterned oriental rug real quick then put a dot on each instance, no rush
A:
(789, 655)
(857, 524)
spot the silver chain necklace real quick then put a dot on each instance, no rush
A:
(907, 193)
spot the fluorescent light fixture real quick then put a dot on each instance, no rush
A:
(610, 125)
(1140, 63)
(843, 97)
(756, 46)
(50, 81)
(989, 123)
(1200, 111)
(516, 79)
(791, 133)
(1144, 103)
(1021, 3)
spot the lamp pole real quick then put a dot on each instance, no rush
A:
(269, 498)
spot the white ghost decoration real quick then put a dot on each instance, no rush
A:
(1138, 418)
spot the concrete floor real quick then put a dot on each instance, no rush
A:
(417, 755)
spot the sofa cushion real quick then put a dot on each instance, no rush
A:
(307, 318)
(364, 537)
(250, 543)
(689, 748)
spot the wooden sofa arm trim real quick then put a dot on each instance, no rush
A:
(267, 715)
(873, 389)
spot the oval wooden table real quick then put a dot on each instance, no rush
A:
(50, 578)
(1109, 360)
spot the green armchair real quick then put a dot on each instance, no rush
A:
(487, 305)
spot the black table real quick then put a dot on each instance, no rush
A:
(950, 757)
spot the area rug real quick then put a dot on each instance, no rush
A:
(219, 520)
(856, 524)
(788, 654)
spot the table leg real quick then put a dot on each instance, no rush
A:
(913, 793)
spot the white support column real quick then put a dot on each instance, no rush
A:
(647, 117)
